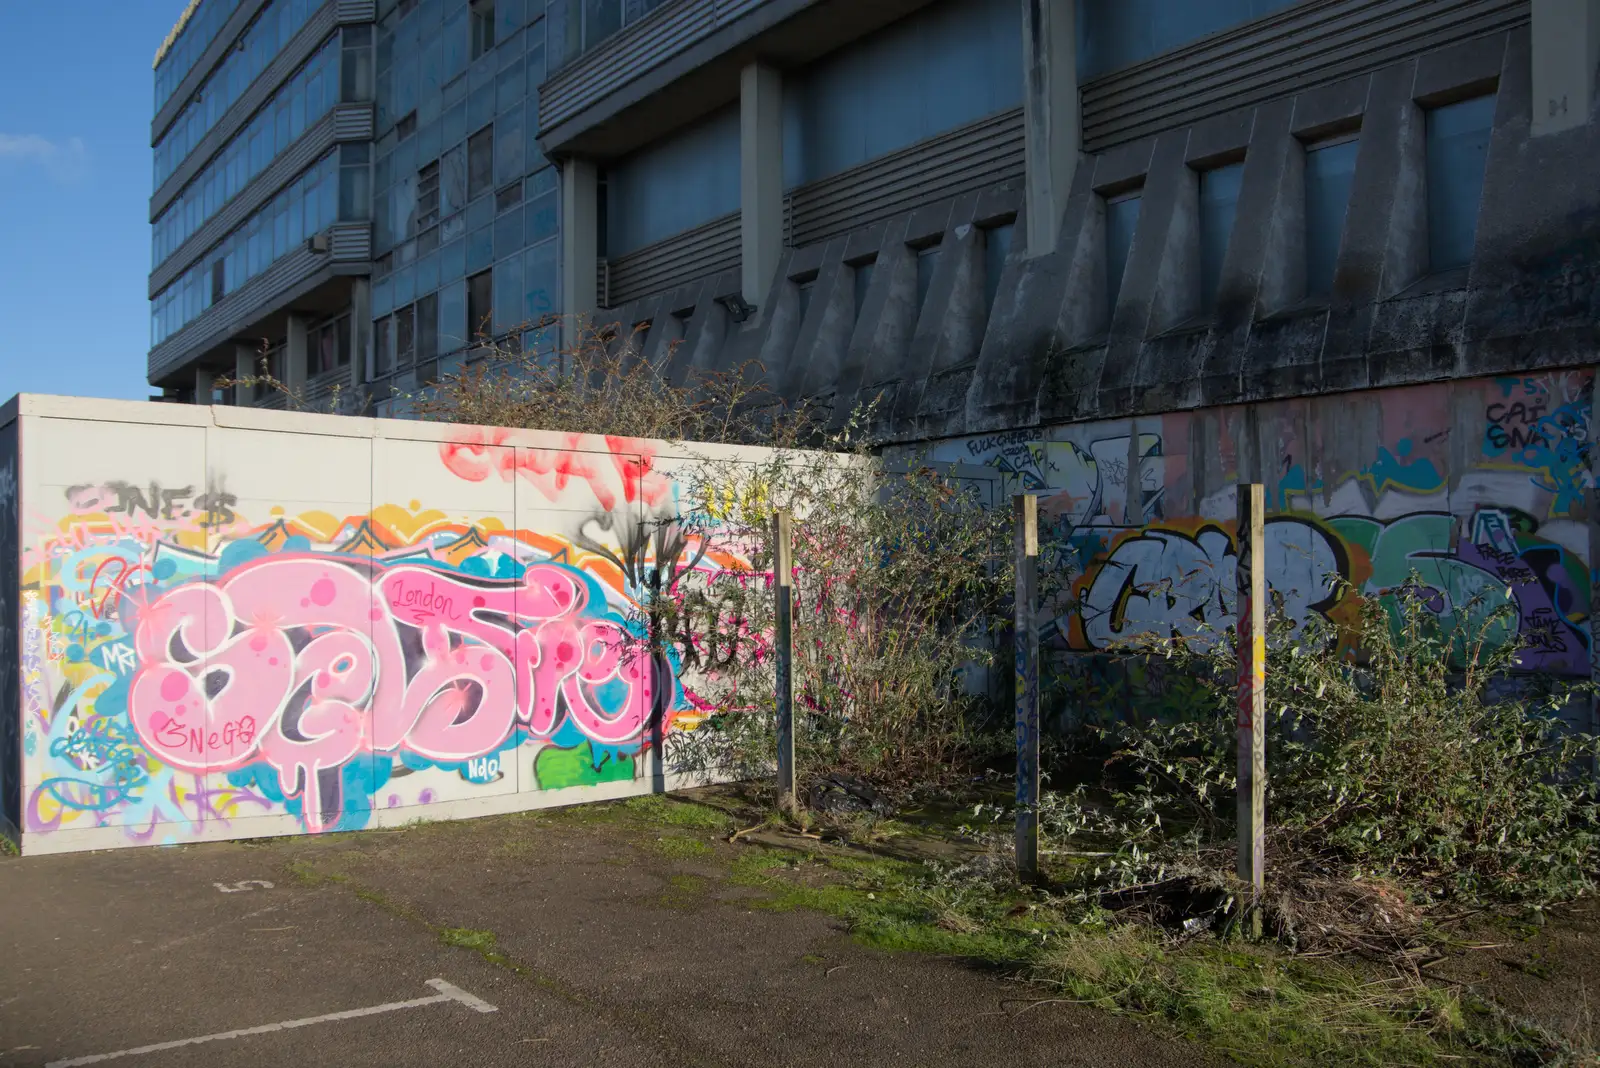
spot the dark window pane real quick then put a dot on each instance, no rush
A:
(482, 27)
(405, 335)
(1219, 204)
(480, 296)
(1458, 151)
(996, 247)
(1329, 171)
(1122, 218)
(927, 260)
(601, 19)
(480, 162)
(863, 282)
(428, 327)
(382, 346)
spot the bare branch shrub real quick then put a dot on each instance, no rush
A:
(1405, 754)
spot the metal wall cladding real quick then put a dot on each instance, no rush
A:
(977, 155)
(707, 249)
(1310, 44)
(350, 242)
(632, 52)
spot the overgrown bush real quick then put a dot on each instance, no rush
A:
(900, 578)
(1399, 751)
(601, 384)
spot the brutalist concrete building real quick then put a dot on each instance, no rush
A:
(992, 214)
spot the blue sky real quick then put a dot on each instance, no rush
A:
(75, 110)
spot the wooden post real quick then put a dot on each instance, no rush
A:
(1026, 642)
(782, 592)
(1251, 636)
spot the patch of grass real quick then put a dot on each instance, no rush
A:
(1256, 1002)
(684, 892)
(754, 867)
(813, 958)
(1263, 1007)
(878, 900)
(680, 847)
(657, 808)
(466, 938)
(8, 848)
(483, 943)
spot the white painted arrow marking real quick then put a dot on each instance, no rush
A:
(446, 992)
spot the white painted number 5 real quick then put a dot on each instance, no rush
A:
(248, 884)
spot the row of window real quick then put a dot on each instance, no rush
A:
(309, 204)
(440, 219)
(945, 67)
(996, 248)
(1457, 142)
(1456, 149)
(202, 26)
(524, 213)
(298, 104)
(576, 26)
(424, 54)
(1118, 33)
(512, 296)
(258, 46)
(501, 87)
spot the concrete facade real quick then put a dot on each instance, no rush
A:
(1048, 352)
(229, 623)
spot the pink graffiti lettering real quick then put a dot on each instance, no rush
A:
(302, 662)
(551, 471)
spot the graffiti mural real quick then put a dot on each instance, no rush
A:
(1480, 487)
(193, 655)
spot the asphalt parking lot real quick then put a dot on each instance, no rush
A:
(526, 941)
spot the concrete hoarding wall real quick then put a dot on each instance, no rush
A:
(238, 623)
(1477, 484)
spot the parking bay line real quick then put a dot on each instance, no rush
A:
(446, 992)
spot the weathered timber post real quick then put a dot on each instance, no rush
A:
(783, 640)
(1251, 636)
(1025, 541)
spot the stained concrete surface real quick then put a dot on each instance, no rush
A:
(608, 952)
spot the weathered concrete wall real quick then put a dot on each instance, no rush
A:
(1480, 485)
(1051, 350)
(238, 623)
